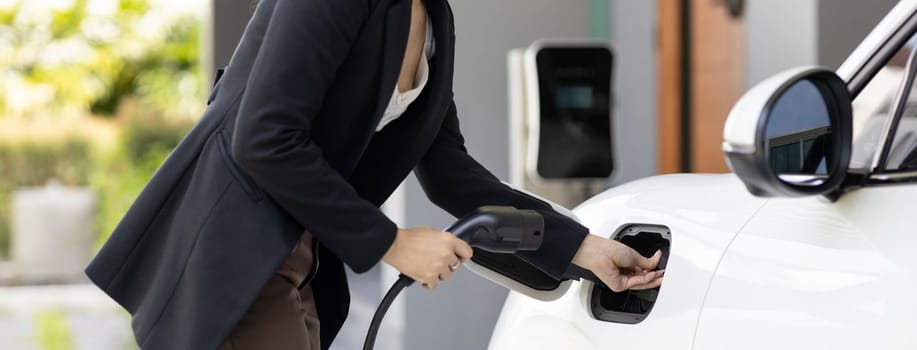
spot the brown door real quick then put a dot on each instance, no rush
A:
(701, 76)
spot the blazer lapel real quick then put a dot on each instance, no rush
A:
(397, 28)
(394, 151)
(442, 65)
(423, 118)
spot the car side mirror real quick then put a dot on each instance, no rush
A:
(790, 135)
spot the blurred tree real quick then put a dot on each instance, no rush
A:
(67, 23)
(77, 60)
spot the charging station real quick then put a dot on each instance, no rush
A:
(561, 144)
(561, 127)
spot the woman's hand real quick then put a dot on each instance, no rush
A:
(427, 255)
(617, 265)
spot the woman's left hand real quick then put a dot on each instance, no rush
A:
(617, 265)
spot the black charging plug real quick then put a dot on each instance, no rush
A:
(499, 229)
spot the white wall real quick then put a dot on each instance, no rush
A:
(633, 36)
(782, 34)
(779, 34)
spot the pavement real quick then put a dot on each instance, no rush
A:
(81, 317)
(62, 316)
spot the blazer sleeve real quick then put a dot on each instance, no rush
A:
(454, 181)
(304, 44)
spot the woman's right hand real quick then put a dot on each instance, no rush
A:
(427, 255)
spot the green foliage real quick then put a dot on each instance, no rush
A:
(66, 23)
(116, 194)
(133, 8)
(52, 332)
(145, 142)
(152, 134)
(7, 16)
(91, 62)
(167, 73)
(34, 164)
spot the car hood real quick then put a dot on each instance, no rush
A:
(700, 202)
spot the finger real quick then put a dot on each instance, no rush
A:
(616, 284)
(457, 265)
(636, 280)
(445, 275)
(650, 263)
(430, 285)
(651, 285)
(463, 250)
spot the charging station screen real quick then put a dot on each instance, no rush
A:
(574, 97)
(575, 115)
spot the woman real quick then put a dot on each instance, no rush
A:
(325, 108)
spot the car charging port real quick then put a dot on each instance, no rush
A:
(632, 306)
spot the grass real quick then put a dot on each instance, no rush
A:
(52, 332)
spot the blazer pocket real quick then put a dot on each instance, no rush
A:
(244, 181)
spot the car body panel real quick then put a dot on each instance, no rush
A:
(703, 213)
(815, 274)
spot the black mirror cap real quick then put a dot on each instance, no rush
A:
(745, 143)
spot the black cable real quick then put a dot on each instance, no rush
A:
(402, 282)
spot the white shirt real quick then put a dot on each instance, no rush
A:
(400, 101)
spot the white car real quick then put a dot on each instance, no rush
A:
(810, 244)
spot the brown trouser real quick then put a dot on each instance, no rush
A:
(283, 316)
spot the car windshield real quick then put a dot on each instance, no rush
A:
(873, 107)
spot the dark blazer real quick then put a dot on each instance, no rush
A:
(289, 143)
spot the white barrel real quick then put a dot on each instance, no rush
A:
(52, 232)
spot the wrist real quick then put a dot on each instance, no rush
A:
(588, 252)
(392, 249)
